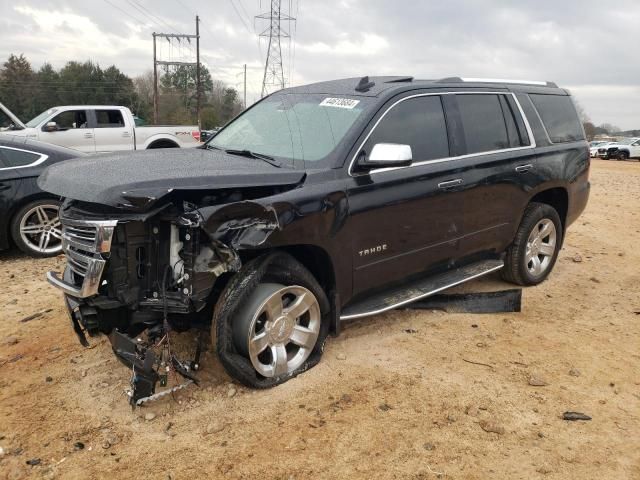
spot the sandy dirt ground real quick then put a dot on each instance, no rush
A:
(394, 397)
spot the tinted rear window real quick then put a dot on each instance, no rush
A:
(109, 119)
(418, 122)
(17, 158)
(483, 122)
(559, 117)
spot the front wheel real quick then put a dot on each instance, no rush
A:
(271, 321)
(534, 251)
(623, 156)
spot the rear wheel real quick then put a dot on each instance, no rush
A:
(36, 228)
(531, 257)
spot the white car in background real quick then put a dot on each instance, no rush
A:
(623, 149)
(593, 147)
(100, 128)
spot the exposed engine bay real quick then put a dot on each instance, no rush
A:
(137, 277)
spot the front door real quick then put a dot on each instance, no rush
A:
(406, 220)
(72, 131)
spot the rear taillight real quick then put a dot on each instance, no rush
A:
(196, 135)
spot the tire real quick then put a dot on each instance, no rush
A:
(163, 144)
(623, 156)
(257, 343)
(36, 228)
(532, 255)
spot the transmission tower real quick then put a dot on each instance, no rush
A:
(273, 71)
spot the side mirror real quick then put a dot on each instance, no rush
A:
(51, 127)
(386, 155)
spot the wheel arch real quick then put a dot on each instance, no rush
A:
(162, 143)
(319, 263)
(556, 197)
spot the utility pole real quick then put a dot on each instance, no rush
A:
(156, 62)
(155, 82)
(245, 86)
(273, 78)
(198, 70)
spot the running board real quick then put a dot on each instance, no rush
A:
(398, 296)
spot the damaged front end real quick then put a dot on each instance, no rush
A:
(137, 277)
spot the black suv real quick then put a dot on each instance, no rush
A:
(318, 204)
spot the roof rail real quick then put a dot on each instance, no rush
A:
(496, 80)
(400, 79)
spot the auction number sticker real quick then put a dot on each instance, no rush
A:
(339, 103)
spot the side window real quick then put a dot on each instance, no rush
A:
(484, 124)
(559, 117)
(17, 158)
(418, 122)
(518, 136)
(71, 119)
(109, 119)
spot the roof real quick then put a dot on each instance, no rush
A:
(92, 107)
(376, 85)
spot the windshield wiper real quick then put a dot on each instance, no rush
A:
(260, 156)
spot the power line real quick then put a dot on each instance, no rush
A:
(239, 16)
(125, 12)
(149, 15)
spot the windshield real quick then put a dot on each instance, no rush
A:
(34, 122)
(626, 141)
(302, 127)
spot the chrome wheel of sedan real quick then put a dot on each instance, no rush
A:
(40, 229)
(277, 328)
(541, 246)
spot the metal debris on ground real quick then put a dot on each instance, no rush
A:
(503, 301)
(573, 416)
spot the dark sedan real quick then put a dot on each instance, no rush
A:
(29, 216)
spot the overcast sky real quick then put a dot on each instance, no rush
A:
(584, 45)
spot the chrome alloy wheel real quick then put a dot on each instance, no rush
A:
(541, 246)
(41, 230)
(277, 328)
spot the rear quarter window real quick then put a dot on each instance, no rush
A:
(10, 158)
(559, 116)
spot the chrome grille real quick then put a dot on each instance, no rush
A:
(84, 242)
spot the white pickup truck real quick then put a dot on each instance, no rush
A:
(100, 128)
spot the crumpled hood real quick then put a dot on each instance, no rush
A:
(138, 179)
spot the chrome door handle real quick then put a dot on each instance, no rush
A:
(88, 135)
(450, 183)
(126, 134)
(524, 168)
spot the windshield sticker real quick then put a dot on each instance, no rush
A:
(339, 103)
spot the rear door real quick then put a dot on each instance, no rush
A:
(499, 164)
(406, 220)
(111, 131)
(73, 131)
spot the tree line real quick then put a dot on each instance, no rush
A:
(28, 92)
